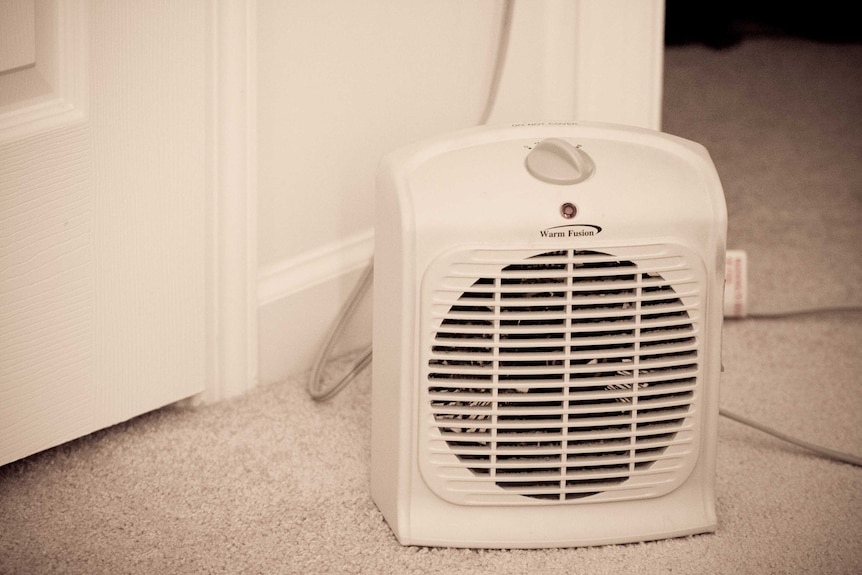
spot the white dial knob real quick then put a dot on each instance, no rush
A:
(556, 161)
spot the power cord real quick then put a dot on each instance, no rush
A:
(818, 449)
(804, 311)
(315, 385)
(499, 61)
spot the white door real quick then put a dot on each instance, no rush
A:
(105, 199)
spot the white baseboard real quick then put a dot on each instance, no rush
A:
(300, 298)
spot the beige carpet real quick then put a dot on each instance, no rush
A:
(274, 483)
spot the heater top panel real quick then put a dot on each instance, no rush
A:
(536, 184)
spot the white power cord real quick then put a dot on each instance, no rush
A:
(499, 61)
(805, 311)
(315, 385)
(818, 449)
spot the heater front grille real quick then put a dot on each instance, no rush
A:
(564, 375)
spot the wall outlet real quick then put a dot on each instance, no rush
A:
(736, 284)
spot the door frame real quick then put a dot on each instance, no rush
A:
(232, 267)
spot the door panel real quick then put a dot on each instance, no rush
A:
(103, 213)
(148, 118)
(47, 299)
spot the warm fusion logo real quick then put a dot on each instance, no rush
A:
(571, 231)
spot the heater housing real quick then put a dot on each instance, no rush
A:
(547, 328)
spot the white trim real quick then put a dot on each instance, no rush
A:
(294, 313)
(232, 355)
(314, 267)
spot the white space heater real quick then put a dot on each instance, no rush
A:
(547, 322)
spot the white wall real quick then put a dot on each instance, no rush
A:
(341, 82)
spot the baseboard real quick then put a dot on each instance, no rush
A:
(300, 298)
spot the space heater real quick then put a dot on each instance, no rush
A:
(547, 322)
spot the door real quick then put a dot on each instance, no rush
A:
(104, 209)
